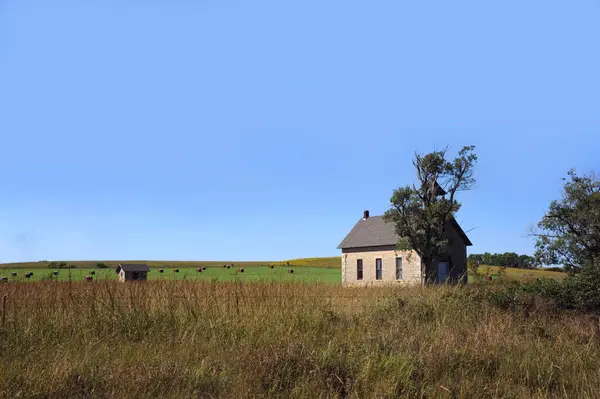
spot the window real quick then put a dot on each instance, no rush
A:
(378, 271)
(359, 269)
(399, 268)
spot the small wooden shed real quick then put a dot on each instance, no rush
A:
(133, 271)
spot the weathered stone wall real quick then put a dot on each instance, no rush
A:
(411, 266)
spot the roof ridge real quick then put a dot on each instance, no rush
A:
(375, 231)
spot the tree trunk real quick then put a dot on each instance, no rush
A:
(428, 273)
(425, 263)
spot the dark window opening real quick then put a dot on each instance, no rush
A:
(398, 268)
(359, 269)
(378, 269)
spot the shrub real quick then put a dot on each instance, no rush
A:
(545, 286)
(61, 265)
(583, 289)
(101, 265)
(507, 295)
(579, 291)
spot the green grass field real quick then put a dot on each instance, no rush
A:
(330, 262)
(325, 270)
(212, 273)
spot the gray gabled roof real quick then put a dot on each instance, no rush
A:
(133, 267)
(374, 232)
(371, 232)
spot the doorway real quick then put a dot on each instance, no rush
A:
(442, 274)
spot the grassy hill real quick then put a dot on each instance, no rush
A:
(521, 274)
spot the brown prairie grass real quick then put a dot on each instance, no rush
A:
(183, 339)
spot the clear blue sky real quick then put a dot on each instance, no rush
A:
(260, 130)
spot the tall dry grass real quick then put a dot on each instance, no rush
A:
(181, 339)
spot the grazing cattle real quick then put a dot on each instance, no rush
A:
(291, 271)
(241, 270)
(89, 278)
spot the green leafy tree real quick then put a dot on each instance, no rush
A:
(507, 259)
(526, 262)
(487, 259)
(569, 233)
(510, 259)
(496, 259)
(420, 212)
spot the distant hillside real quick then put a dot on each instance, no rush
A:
(334, 262)
(331, 262)
(521, 274)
